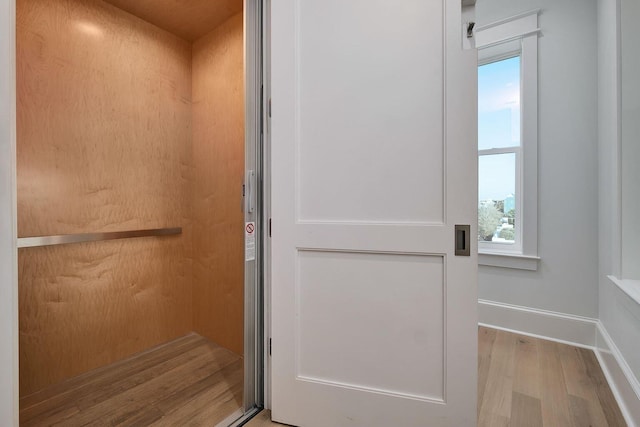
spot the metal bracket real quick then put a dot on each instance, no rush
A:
(470, 27)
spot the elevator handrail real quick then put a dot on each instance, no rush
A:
(64, 239)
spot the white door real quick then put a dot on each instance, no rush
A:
(373, 139)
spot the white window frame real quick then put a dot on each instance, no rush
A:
(507, 38)
(506, 52)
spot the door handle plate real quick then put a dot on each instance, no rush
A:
(462, 240)
(251, 183)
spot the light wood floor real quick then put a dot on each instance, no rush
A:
(263, 419)
(528, 382)
(524, 381)
(187, 382)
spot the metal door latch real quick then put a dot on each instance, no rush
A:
(463, 240)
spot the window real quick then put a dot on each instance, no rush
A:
(499, 155)
(507, 142)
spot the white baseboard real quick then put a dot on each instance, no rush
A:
(624, 385)
(575, 330)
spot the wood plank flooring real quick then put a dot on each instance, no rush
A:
(263, 419)
(529, 382)
(187, 382)
(524, 381)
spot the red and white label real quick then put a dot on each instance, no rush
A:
(250, 241)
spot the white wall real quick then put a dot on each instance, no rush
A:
(624, 322)
(630, 142)
(566, 279)
(619, 314)
(8, 298)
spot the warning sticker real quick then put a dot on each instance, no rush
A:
(250, 241)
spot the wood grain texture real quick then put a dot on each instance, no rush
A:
(583, 396)
(103, 120)
(550, 384)
(83, 306)
(508, 361)
(190, 19)
(603, 391)
(526, 411)
(103, 144)
(218, 153)
(555, 399)
(189, 381)
(496, 401)
(526, 378)
(486, 338)
(263, 419)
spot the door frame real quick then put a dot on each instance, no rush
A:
(8, 219)
(255, 314)
(254, 154)
(266, 204)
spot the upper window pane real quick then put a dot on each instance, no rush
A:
(499, 104)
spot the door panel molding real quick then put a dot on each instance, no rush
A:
(344, 213)
(348, 128)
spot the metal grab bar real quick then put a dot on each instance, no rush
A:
(63, 239)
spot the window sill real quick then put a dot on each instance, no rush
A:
(629, 287)
(506, 260)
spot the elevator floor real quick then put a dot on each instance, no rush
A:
(188, 381)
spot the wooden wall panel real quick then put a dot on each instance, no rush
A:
(87, 305)
(187, 19)
(104, 144)
(218, 152)
(104, 120)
